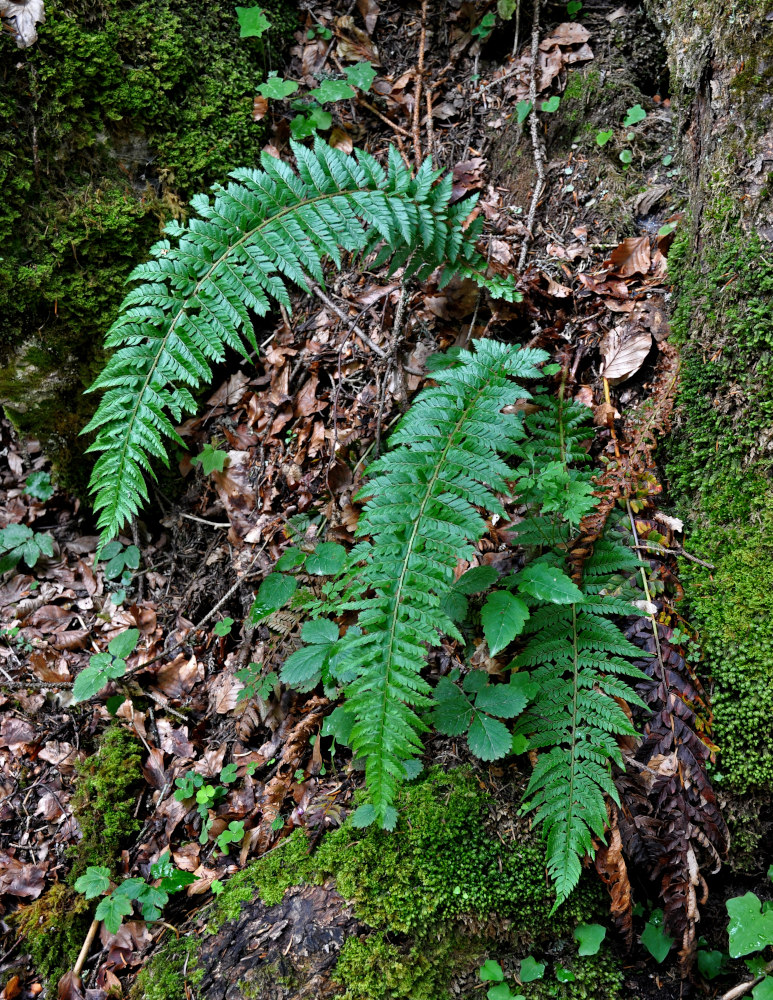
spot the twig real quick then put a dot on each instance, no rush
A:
(387, 121)
(84, 952)
(654, 547)
(419, 83)
(392, 366)
(201, 520)
(539, 160)
(742, 988)
(342, 315)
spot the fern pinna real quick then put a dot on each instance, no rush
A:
(194, 298)
(421, 519)
(576, 654)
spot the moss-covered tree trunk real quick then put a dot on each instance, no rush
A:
(719, 457)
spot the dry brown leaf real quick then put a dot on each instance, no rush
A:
(341, 140)
(12, 989)
(259, 108)
(20, 879)
(69, 987)
(632, 256)
(623, 352)
(369, 10)
(21, 20)
(604, 414)
(16, 734)
(568, 33)
(224, 693)
(63, 755)
(555, 288)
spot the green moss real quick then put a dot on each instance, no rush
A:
(429, 890)
(732, 606)
(718, 464)
(104, 801)
(107, 126)
(597, 976)
(171, 974)
(54, 928)
(373, 968)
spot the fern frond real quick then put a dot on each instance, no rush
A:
(577, 716)
(422, 518)
(235, 257)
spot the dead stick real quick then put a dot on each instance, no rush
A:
(419, 84)
(347, 319)
(743, 988)
(536, 142)
(84, 952)
(393, 125)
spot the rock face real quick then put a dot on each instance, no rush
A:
(279, 952)
(107, 126)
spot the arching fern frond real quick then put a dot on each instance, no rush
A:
(421, 519)
(263, 229)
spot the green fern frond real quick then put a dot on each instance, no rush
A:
(235, 257)
(422, 518)
(579, 656)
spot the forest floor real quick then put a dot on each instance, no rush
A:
(282, 444)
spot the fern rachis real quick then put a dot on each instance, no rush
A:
(267, 226)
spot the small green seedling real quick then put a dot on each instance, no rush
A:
(274, 88)
(210, 459)
(626, 156)
(18, 543)
(119, 561)
(223, 628)
(551, 104)
(38, 485)
(485, 26)
(256, 686)
(233, 834)
(634, 115)
(654, 937)
(573, 8)
(531, 970)
(589, 938)
(117, 904)
(319, 31)
(104, 667)
(602, 138)
(253, 22)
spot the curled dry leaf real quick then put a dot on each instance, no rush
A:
(623, 353)
(21, 19)
(259, 108)
(632, 256)
(369, 10)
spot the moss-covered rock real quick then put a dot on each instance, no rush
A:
(53, 928)
(104, 801)
(431, 892)
(120, 112)
(171, 974)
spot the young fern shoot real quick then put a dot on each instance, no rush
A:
(233, 258)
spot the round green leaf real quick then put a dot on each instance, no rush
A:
(635, 114)
(276, 89)
(531, 969)
(551, 104)
(327, 559)
(589, 938)
(253, 22)
(491, 971)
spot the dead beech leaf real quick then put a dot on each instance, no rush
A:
(369, 10)
(69, 987)
(623, 353)
(259, 107)
(604, 414)
(341, 140)
(568, 33)
(12, 989)
(21, 20)
(632, 256)
(555, 288)
(20, 879)
(224, 693)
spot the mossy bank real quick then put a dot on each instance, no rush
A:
(118, 113)
(457, 878)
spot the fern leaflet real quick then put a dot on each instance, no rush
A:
(195, 297)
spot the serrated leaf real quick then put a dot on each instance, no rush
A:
(476, 580)
(488, 739)
(111, 911)
(291, 558)
(503, 616)
(211, 459)
(94, 882)
(275, 591)
(452, 712)
(547, 583)
(38, 485)
(303, 669)
(504, 700)
(101, 669)
(124, 643)
(320, 631)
